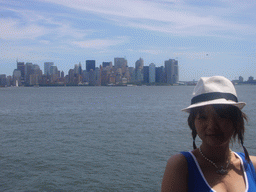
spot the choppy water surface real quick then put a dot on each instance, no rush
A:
(96, 138)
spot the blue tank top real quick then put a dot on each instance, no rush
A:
(197, 182)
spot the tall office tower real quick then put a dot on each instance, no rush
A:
(139, 64)
(176, 72)
(90, 64)
(62, 75)
(53, 70)
(152, 73)
(28, 72)
(120, 63)
(80, 71)
(146, 74)
(71, 76)
(241, 79)
(76, 69)
(47, 66)
(21, 67)
(16, 77)
(160, 75)
(3, 80)
(139, 70)
(107, 64)
(97, 76)
(172, 73)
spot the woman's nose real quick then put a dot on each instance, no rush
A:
(213, 121)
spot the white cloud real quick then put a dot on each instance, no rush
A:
(99, 43)
(31, 25)
(178, 17)
(12, 29)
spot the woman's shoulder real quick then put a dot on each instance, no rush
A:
(178, 159)
(176, 174)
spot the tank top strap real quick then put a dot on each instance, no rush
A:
(196, 182)
(250, 172)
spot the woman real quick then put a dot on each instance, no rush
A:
(216, 117)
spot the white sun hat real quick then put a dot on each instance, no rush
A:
(214, 90)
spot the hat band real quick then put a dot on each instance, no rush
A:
(212, 96)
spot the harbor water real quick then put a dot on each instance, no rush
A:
(97, 138)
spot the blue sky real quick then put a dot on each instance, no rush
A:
(206, 37)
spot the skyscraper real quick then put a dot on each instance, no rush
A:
(120, 63)
(146, 74)
(139, 70)
(47, 66)
(160, 77)
(90, 64)
(172, 72)
(28, 72)
(21, 67)
(152, 73)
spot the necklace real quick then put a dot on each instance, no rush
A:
(221, 170)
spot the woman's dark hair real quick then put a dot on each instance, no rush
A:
(226, 111)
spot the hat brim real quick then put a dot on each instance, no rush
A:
(240, 105)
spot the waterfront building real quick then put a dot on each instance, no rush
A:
(160, 74)
(139, 70)
(28, 72)
(152, 73)
(146, 74)
(9, 80)
(171, 71)
(250, 79)
(71, 76)
(21, 67)
(62, 75)
(47, 66)
(53, 70)
(92, 77)
(120, 63)
(3, 80)
(106, 72)
(16, 77)
(90, 64)
(107, 64)
(97, 76)
(78, 69)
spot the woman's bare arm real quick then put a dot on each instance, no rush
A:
(176, 175)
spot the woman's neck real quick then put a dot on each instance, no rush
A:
(218, 155)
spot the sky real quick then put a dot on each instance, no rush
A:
(206, 37)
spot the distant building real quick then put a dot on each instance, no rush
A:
(250, 79)
(107, 64)
(90, 64)
(152, 73)
(160, 74)
(139, 70)
(146, 74)
(240, 79)
(16, 77)
(21, 67)
(3, 80)
(78, 69)
(47, 66)
(171, 71)
(28, 72)
(120, 63)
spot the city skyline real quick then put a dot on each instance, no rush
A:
(207, 37)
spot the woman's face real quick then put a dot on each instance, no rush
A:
(213, 126)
